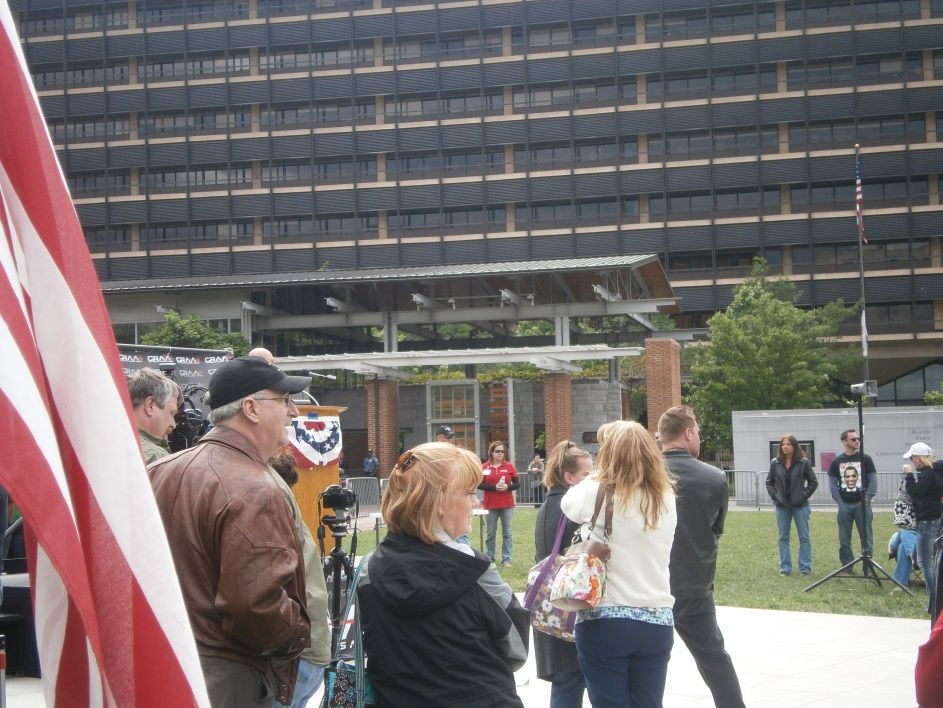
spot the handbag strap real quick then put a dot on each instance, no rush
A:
(547, 565)
(603, 493)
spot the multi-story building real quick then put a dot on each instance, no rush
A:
(230, 157)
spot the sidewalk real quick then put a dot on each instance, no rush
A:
(784, 659)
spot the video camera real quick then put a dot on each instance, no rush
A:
(341, 501)
(191, 422)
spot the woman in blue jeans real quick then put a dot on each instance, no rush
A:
(790, 482)
(923, 479)
(624, 644)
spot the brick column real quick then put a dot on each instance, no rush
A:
(385, 440)
(558, 407)
(662, 378)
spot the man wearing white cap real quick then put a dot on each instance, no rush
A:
(925, 488)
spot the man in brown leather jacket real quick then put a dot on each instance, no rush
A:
(234, 546)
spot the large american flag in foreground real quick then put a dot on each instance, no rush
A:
(110, 621)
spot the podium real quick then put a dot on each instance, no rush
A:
(313, 480)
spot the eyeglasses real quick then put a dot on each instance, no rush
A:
(284, 399)
(498, 452)
(854, 439)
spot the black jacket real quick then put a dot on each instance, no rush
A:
(702, 507)
(437, 627)
(553, 655)
(925, 489)
(801, 482)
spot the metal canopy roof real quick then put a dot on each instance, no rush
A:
(386, 364)
(375, 275)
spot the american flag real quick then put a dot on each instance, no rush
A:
(111, 626)
(859, 200)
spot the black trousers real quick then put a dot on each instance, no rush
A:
(696, 624)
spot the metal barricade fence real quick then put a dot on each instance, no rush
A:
(752, 492)
(747, 489)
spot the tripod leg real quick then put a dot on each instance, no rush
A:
(875, 566)
(834, 573)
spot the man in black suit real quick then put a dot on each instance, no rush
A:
(702, 507)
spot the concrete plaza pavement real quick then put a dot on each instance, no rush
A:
(784, 660)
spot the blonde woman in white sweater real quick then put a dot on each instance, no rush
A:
(624, 644)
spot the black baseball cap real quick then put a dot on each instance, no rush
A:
(446, 431)
(242, 377)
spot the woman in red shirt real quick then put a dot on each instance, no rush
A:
(499, 480)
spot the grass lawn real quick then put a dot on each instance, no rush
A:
(748, 566)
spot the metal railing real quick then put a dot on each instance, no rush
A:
(747, 489)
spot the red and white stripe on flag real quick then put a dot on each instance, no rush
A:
(859, 201)
(111, 626)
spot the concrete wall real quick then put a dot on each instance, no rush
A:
(888, 432)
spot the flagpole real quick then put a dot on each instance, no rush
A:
(859, 213)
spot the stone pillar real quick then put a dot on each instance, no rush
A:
(662, 378)
(382, 422)
(558, 407)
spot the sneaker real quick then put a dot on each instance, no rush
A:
(785, 573)
(506, 564)
(805, 572)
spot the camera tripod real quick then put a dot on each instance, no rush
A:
(869, 569)
(336, 564)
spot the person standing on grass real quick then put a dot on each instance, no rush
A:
(702, 508)
(925, 489)
(499, 481)
(567, 465)
(853, 482)
(790, 483)
(624, 643)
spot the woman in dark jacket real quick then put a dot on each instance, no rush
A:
(556, 659)
(440, 627)
(790, 483)
(925, 488)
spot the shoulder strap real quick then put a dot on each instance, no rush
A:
(547, 565)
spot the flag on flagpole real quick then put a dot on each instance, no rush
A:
(859, 200)
(111, 625)
(864, 335)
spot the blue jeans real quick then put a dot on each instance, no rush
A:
(861, 516)
(904, 550)
(927, 531)
(567, 689)
(308, 681)
(505, 516)
(784, 518)
(625, 661)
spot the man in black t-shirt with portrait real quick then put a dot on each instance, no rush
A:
(852, 480)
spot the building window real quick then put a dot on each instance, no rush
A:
(741, 19)
(680, 207)
(745, 141)
(746, 202)
(543, 155)
(680, 146)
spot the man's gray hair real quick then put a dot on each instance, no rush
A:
(151, 382)
(227, 411)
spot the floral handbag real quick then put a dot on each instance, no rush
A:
(580, 580)
(544, 616)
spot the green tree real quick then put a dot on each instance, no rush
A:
(192, 332)
(767, 354)
(934, 398)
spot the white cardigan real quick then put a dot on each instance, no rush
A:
(637, 572)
